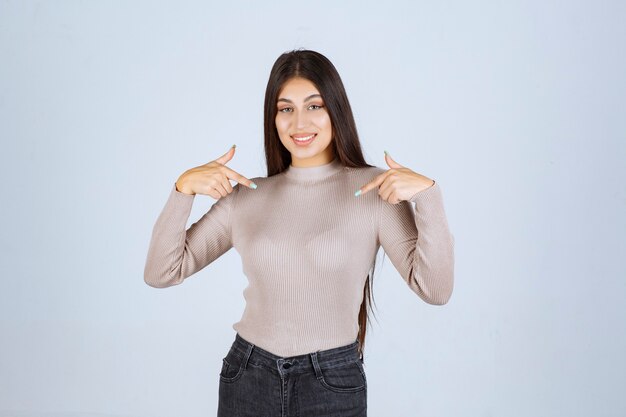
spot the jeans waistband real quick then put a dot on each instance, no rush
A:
(328, 358)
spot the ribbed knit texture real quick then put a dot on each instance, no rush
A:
(307, 245)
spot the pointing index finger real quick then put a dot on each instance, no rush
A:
(372, 184)
(234, 175)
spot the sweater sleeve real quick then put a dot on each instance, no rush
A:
(419, 243)
(175, 253)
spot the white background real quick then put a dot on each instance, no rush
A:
(515, 108)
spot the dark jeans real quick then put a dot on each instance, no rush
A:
(257, 383)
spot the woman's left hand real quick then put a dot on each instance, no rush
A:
(397, 184)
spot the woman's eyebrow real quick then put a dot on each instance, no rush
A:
(306, 99)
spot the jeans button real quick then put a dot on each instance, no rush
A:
(286, 365)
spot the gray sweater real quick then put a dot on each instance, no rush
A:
(307, 245)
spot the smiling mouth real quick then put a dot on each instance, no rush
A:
(304, 140)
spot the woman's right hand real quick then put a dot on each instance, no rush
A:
(212, 178)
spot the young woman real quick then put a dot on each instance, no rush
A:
(308, 235)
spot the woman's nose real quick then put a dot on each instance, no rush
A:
(302, 121)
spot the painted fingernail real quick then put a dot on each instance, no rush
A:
(253, 185)
(234, 146)
(357, 193)
(387, 153)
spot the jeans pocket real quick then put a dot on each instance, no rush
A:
(232, 367)
(349, 377)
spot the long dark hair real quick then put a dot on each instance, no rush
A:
(318, 69)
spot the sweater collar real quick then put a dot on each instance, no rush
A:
(314, 173)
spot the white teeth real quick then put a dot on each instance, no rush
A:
(304, 139)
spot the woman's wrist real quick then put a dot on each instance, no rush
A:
(181, 187)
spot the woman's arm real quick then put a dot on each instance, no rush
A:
(416, 237)
(175, 253)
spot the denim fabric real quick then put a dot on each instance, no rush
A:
(257, 383)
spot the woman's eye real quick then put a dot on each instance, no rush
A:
(290, 110)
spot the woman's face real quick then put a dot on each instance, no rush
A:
(302, 115)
